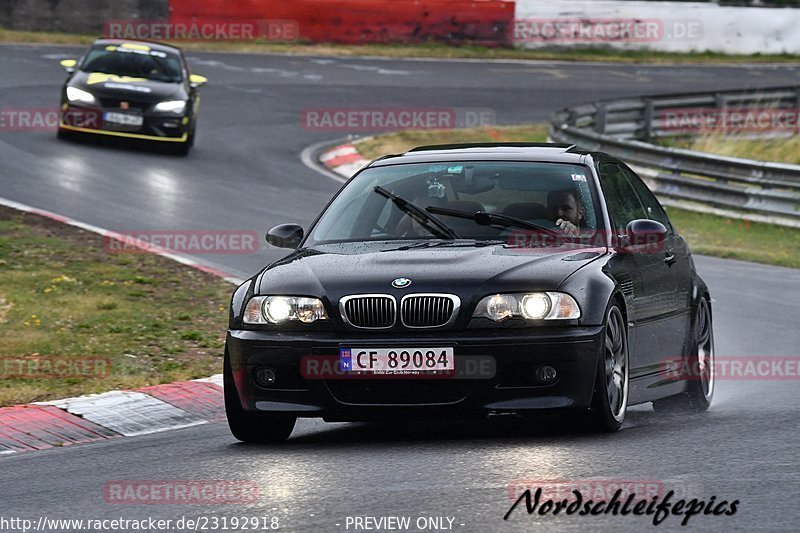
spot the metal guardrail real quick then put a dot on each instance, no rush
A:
(623, 127)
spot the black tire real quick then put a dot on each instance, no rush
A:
(185, 147)
(252, 427)
(63, 134)
(697, 368)
(610, 398)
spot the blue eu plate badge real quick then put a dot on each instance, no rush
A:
(345, 364)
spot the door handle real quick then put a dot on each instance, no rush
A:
(670, 258)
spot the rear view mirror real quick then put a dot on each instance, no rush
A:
(643, 236)
(285, 236)
(197, 81)
(69, 65)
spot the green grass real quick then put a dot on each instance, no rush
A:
(399, 142)
(423, 50)
(738, 239)
(706, 233)
(782, 150)
(63, 296)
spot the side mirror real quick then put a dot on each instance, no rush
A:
(643, 236)
(285, 236)
(196, 81)
(69, 65)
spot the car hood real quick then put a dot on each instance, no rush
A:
(333, 271)
(113, 86)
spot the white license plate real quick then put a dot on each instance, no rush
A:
(397, 360)
(124, 119)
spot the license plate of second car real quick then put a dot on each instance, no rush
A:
(397, 360)
(126, 119)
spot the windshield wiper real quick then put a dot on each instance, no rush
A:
(429, 222)
(487, 219)
(449, 244)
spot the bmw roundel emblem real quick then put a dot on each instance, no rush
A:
(401, 283)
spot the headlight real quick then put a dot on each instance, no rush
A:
(530, 306)
(279, 309)
(79, 95)
(175, 106)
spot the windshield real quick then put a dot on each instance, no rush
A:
(527, 198)
(136, 61)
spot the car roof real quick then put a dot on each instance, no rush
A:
(511, 151)
(152, 44)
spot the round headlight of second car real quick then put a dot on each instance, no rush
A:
(535, 306)
(309, 310)
(500, 307)
(530, 306)
(280, 309)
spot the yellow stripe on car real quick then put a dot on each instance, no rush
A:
(134, 46)
(101, 77)
(127, 135)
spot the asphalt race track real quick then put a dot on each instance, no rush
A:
(246, 174)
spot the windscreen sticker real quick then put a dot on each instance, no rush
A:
(578, 177)
(101, 77)
(135, 49)
(135, 88)
(134, 46)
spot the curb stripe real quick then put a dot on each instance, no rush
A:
(129, 413)
(33, 427)
(344, 149)
(344, 160)
(203, 399)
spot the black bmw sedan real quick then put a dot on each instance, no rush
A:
(464, 281)
(131, 89)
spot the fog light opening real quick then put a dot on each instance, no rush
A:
(546, 374)
(265, 377)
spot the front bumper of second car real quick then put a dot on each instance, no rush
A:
(511, 387)
(163, 127)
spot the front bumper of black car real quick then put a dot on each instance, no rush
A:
(155, 126)
(511, 387)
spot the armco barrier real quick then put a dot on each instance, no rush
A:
(622, 128)
(486, 22)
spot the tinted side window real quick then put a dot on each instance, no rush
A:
(622, 200)
(648, 199)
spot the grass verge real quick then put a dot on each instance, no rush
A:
(738, 239)
(781, 150)
(706, 233)
(402, 141)
(62, 296)
(432, 50)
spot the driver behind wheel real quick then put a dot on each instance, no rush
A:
(566, 210)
